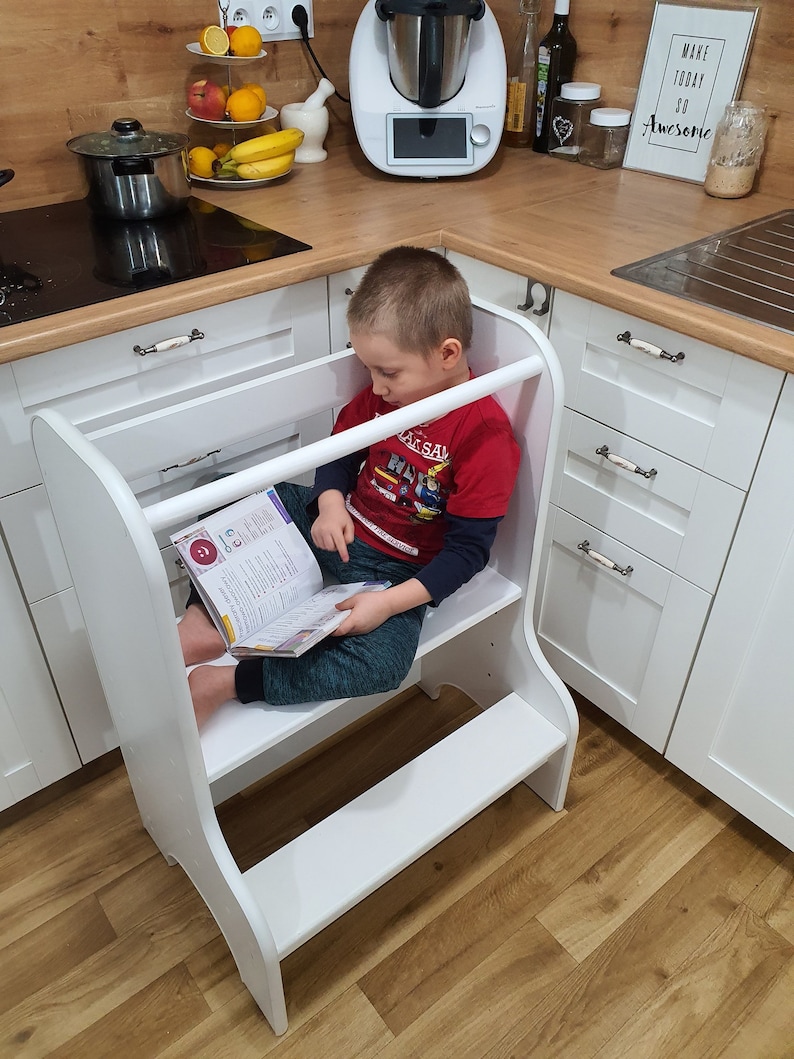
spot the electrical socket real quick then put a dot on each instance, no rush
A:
(273, 18)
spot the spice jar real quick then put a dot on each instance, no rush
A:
(569, 112)
(736, 151)
(604, 138)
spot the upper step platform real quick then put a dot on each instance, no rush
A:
(237, 734)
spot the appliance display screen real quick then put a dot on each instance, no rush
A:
(429, 138)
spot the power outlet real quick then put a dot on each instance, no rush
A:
(273, 18)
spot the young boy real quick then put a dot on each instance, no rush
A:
(419, 509)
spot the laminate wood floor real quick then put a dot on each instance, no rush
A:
(646, 920)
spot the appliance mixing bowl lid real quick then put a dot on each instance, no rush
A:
(127, 139)
(386, 9)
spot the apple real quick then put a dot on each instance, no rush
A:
(207, 100)
(230, 29)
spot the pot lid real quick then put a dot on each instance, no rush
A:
(127, 138)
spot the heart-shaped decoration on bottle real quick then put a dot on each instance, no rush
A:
(563, 128)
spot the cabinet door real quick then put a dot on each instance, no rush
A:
(36, 747)
(519, 294)
(735, 730)
(624, 641)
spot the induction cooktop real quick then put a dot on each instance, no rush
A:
(59, 257)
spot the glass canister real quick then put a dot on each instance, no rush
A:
(736, 151)
(604, 137)
(569, 113)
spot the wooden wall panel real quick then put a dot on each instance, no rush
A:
(79, 65)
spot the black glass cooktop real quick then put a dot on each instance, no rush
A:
(59, 257)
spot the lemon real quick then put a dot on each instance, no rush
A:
(245, 41)
(200, 161)
(243, 105)
(214, 41)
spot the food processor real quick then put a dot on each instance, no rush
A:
(428, 82)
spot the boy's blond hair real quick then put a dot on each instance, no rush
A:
(415, 297)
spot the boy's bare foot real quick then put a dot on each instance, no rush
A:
(200, 640)
(210, 687)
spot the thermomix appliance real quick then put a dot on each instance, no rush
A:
(428, 82)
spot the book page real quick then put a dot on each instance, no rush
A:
(306, 624)
(249, 563)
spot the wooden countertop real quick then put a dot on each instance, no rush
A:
(561, 223)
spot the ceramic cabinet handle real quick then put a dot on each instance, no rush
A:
(597, 557)
(189, 463)
(626, 465)
(649, 348)
(169, 343)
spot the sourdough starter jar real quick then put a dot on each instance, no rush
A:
(736, 151)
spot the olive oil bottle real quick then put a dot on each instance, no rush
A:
(556, 58)
(522, 78)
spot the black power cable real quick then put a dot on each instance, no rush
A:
(301, 19)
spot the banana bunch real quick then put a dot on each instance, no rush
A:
(261, 158)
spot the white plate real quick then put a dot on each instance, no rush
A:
(236, 185)
(224, 60)
(227, 123)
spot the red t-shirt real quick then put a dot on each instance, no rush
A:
(465, 463)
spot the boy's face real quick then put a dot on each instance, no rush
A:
(401, 378)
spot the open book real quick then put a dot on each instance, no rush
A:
(259, 580)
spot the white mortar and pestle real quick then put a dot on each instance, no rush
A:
(311, 117)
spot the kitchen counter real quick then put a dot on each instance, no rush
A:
(563, 224)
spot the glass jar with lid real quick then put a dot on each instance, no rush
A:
(604, 137)
(569, 112)
(736, 151)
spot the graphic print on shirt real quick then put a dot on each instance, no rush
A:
(401, 483)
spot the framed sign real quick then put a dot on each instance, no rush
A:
(694, 65)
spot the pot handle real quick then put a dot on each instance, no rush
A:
(5, 176)
(431, 57)
(132, 166)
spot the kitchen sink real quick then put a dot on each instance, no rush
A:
(747, 271)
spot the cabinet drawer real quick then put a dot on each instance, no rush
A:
(680, 517)
(710, 409)
(626, 643)
(103, 382)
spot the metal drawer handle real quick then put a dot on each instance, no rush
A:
(169, 343)
(624, 571)
(349, 291)
(189, 463)
(627, 465)
(647, 347)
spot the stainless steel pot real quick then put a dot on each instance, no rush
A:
(134, 175)
(428, 46)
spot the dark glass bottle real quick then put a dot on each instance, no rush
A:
(522, 78)
(556, 58)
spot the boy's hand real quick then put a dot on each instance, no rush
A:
(333, 529)
(368, 610)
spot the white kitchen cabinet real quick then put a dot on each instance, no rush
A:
(164, 418)
(656, 456)
(36, 747)
(735, 729)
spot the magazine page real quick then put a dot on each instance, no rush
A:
(306, 624)
(249, 563)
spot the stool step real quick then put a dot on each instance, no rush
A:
(313, 880)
